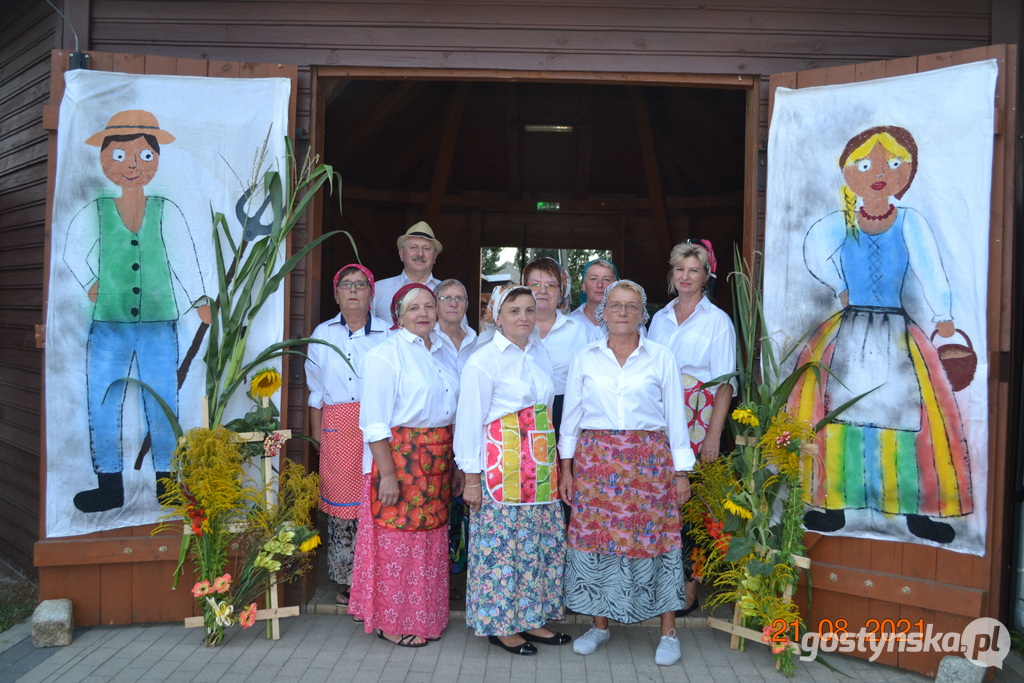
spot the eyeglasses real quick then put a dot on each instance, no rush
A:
(358, 286)
(616, 307)
(456, 299)
(549, 286)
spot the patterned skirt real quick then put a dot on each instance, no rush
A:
(516, 560)
(624, 560)
(625, 589)
(400, 580)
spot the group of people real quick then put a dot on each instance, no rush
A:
(589, 412)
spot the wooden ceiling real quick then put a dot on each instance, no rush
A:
(466, 144)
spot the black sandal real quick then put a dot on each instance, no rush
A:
(406, 640)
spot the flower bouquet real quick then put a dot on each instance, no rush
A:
(746, 512)
(224, 507)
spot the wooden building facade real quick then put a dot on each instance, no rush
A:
(421, 107)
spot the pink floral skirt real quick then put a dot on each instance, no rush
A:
(400, 579)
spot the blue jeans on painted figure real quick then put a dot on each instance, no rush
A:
(111, 349)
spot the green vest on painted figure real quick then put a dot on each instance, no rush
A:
(134, 276)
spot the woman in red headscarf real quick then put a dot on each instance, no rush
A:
(335, 389)
(703, 340)
(400, 582)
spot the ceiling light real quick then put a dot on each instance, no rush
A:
(546, 128)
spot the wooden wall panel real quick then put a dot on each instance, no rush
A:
(27, 38)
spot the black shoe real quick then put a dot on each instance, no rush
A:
(929, 529)
(557, 639)
(824, 520)
(107, 496)
(694, 606)
(521, 649)
(161, 485)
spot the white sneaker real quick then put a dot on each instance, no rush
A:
(668, 652)
(588, 643)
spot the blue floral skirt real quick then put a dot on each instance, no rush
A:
(516, 560)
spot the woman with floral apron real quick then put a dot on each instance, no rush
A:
(625, 459)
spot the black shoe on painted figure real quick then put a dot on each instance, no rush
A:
(107, 496)
(824, 520)
(929, 529)
(161, 488)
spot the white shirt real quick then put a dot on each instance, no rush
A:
(499, 379)
(330, 379)
(644, 393)
(704, 345)
(565, 338)
(407, 385)
(594, 332)
(457, 358)
(384, 291)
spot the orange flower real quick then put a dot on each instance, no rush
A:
(248, 616)
(201, 589)
(222, 584)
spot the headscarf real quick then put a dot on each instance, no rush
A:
(504, 293)
(402, 291)
(601, 262)
(365, 271)
(712, 263)
(599, 313)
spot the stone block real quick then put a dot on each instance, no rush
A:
(953, 669)
(52, 623)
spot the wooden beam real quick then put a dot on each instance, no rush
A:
(446, 155)
(413, 154)
(598, 205)
(515, 186)
(659, 210)
(730, 81)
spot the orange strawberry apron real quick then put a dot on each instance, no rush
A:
(423, 465)
(522, 464)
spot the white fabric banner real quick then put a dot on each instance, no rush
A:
(142, 162)
(876, 243)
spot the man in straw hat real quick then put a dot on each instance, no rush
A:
(417, 249)
(135, 258)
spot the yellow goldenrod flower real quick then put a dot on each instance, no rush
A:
(746, 417)
(735, 509)
(310, 543)
(265, 383)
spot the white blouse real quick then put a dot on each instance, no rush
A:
(384, 291)
(704, 345)
(644, 393)
(500, 378)
(407, 385)
(457, 358)
(566, 337)
(330, 379)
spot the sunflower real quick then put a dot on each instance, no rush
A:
(745, 416)
(265, 383)
(736, 509)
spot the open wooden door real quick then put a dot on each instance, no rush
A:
(124, 575)
(859, 580)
